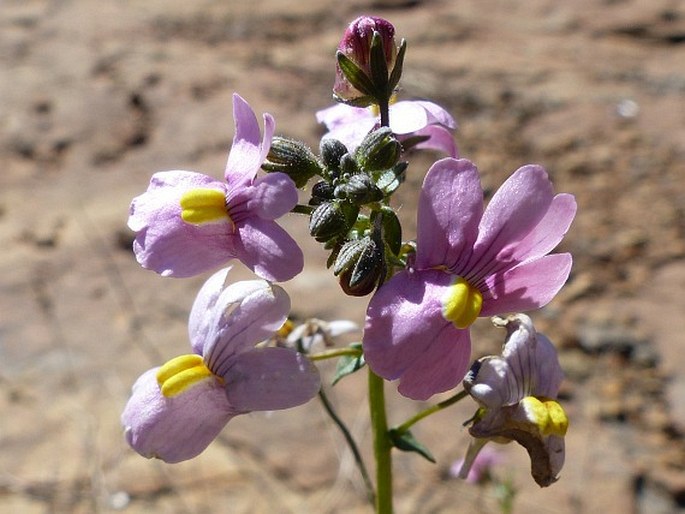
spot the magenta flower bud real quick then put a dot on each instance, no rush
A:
(356, 81)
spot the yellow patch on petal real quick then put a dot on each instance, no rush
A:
(547, 415)
(462, 303)
(558, 421)
(180, 373)
(201, 206)
(285, 329)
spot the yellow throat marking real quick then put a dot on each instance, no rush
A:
(462, 303)
(199, 206)
(181, 373)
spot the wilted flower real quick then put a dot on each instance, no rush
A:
(176, 410)
(479, 469)
(188, 223)
(470, 262)
(355, 46)
(517, 395)
(314, 332)
(409, 119)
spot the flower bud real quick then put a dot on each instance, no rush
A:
(321, 192)
(357, 77)
(332, 219)
(359, 265)
(359, 189)
(379, 150)
(332, 151)
(292, 158)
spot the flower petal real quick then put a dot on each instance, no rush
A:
(514, 211)
(440, 367)
(271, 379)
(246, 313)
(167, 244)
(450, 207)
(410, 116)
(178, 428)
(248, 150)
(549, 232)
(272, 196)
(529, 366)
(407, 337)
(201, 317)
(439, 138)
(268, 250)
(527, 286)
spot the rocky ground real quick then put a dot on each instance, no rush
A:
(96, 96)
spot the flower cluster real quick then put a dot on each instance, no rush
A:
(468, 261)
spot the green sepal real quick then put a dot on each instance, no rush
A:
(396, 72)
(392, 229)
(349, 364)
(407, 443)
(356, 76)
(379, 66)
(389, 180)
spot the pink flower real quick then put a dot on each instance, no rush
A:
(408, 119)
(176, 410)
(516, 393)
(469, 262)
(187, 223)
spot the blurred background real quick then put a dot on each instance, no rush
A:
(97, 96)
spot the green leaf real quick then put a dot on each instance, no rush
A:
(348, 364)
(407, 443)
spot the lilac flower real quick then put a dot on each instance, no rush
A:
(517, 396)
(408, 119)
(469, 262)
(176, 410)
(188, 223)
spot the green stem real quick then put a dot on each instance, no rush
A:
(404, 427)
(351, 443)
(384, 109)
(302, 209)
(381, 444)
(337, 352)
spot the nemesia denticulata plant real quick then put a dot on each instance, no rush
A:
(468, 260)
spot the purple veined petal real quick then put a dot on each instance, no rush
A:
(178, 428)
(514, 211)
(164, 242)
(440, 139)
(249, 149)
(527, 286)
(271, 379)
(246, 313)
(450, 207)
(492, 383)
(268, 250)
(201, 314)
(402, 320)
(272, 196)
(549, 232)
(164, 193)
(549, 372)
(440, 367)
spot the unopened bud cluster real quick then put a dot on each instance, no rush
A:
(349, 212)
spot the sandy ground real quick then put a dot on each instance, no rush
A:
(96, 96)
